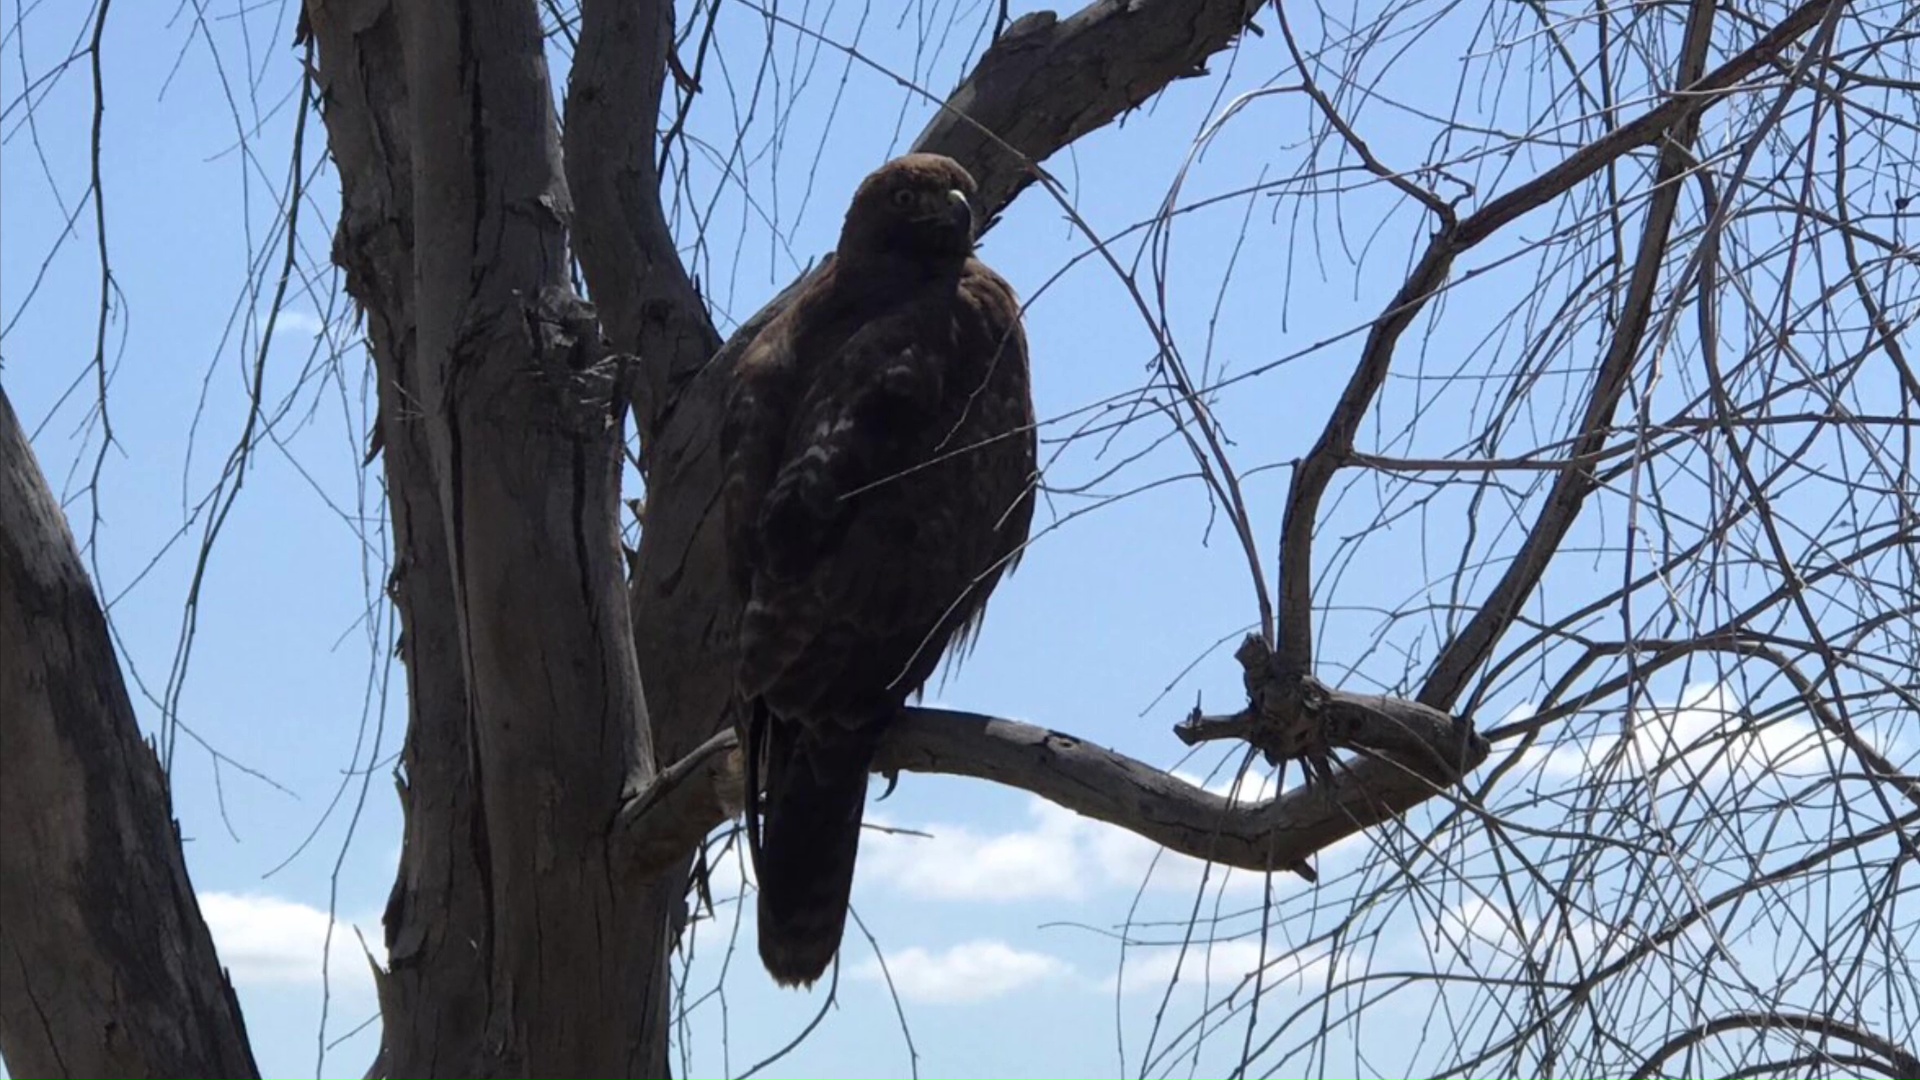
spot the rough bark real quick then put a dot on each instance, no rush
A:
(106, 968)
(646, 300)
(518, 400)
(516, 948)
(432, 999)
(1046, 81)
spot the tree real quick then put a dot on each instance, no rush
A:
(1711, 202)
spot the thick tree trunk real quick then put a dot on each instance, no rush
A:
(106, 968)
(433, 993)
(517, 947)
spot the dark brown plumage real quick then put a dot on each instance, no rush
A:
(880, 465)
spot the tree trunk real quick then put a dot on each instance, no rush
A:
(106, 968)
(517, 945)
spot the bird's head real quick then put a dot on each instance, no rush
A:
(918, 207)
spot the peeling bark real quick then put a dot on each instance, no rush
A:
(516, 947)
(647, 301)
(432, 993)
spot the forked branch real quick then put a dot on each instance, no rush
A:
(1673, 117)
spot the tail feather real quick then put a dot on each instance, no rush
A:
(809, 838)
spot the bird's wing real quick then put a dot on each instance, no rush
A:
(768, 382)
(858, 426)
(998, 429)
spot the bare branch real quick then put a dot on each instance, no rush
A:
(646, 301)
(1424, 282)
(1892, 1059)
(1290, 714)
(1047, 81)
(664, 818)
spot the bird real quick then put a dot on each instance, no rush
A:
(879, 464)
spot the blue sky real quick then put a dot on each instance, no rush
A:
(998, 931)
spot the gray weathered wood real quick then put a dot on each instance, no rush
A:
(433, 991)
(1420, 753)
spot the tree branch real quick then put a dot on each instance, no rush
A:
(1429, 275)
(1889, 1057)
(646, 300)
(1047, 81)
(1418, 756)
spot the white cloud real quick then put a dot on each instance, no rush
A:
(969, 972)
(264, 939)
(1254, 786)
(1473, 923)
(729, 871)
(1059, 855)
(1711, 733)
(1479, 930)
(959, 863)
(295, 324)
(1707, 733)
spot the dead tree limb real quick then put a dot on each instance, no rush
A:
(1419, 754)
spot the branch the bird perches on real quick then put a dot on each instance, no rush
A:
(1404, 754)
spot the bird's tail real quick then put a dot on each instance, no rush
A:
(809, 835)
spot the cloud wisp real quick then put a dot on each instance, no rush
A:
(963, 974)
(1709, 735)
(268, 940)
(1057, 855)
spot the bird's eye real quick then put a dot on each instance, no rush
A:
(903, 197)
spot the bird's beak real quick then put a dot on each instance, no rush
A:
(960, 211)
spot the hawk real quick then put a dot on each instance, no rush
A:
(879, 467)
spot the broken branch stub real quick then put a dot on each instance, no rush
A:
(1291, 715)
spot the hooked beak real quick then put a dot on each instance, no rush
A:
(960, 212)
